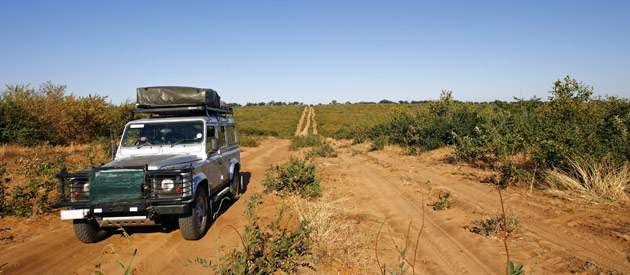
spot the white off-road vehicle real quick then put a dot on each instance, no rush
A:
(173, 165)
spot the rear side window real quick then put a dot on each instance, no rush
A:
(221, 135)
(209, 137)
(231, 135)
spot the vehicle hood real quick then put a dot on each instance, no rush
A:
(154, 162)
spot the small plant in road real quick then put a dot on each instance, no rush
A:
(445, 201)
(296, 176)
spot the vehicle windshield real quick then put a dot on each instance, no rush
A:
(163, 133)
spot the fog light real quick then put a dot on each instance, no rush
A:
(167, 184)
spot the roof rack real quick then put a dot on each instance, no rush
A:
(182, 110)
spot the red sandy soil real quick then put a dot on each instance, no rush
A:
(385, 190)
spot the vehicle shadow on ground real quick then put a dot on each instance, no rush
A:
(169, 226)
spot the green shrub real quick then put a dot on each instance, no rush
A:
(18, 125)
(297, 176)
(41, 192)
(445, 201)
(305, 141)
(492, 227)
(324, 151)
(4, 203)
(249, 141)
(378, 143)
(269, 249)
(343, 133)
(253, 131)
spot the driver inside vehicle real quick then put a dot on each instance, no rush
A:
(146, 137)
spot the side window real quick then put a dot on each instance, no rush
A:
(231, 135)
(221, 135)
(209, 136)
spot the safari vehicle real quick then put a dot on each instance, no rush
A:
(173, 165)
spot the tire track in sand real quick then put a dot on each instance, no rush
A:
(298, 129)
(308, 122)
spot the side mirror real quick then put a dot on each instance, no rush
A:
(215, 144)
(112, 149)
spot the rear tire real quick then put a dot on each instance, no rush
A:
(194, 224)
(88, 231)
(235, 185)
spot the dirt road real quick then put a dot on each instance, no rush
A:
(383, 188)
(308, 115)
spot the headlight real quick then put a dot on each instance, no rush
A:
(167, 184)
(86, 187)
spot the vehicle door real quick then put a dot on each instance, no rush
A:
(232, 151)
(211, 167)
(224, 162)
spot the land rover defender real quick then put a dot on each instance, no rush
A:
(172, 165)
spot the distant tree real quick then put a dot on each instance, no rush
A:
(385, 101)
(333, 102)
(348, 102)
(403, 102)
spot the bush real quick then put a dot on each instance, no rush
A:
(297, 176)
(249, 141)
(324, 151)
(445, 201)
(378, 143)
(305, 141)
(492, 227)
(4, 203)
(343, 133)
(41, 192)
(267, 250)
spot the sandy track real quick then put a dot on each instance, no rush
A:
(298, 129)
(310, 120)
(382, 187)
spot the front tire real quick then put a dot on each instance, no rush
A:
(88, 231)
(194, 224)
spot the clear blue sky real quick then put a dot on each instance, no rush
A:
(318, 51)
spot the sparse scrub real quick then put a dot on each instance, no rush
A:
(445, 201)
(494, 226)
(296, 176)
(325, 150)
(343, 133)
(249, 141)
(271, 248)
(305, 141)
(40, 193)
(378, 143)
(590, 180)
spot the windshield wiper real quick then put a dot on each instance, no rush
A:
(142, 145)
(182, 140)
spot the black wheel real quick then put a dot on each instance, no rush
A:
(235, 186)
(193, 225)
(88, 231)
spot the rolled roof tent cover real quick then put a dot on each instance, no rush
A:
(149, 97)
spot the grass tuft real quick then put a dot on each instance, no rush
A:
(591, 181)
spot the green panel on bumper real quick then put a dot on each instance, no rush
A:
(116, 185)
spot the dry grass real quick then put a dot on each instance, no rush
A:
(334, 232)
(591, 181)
